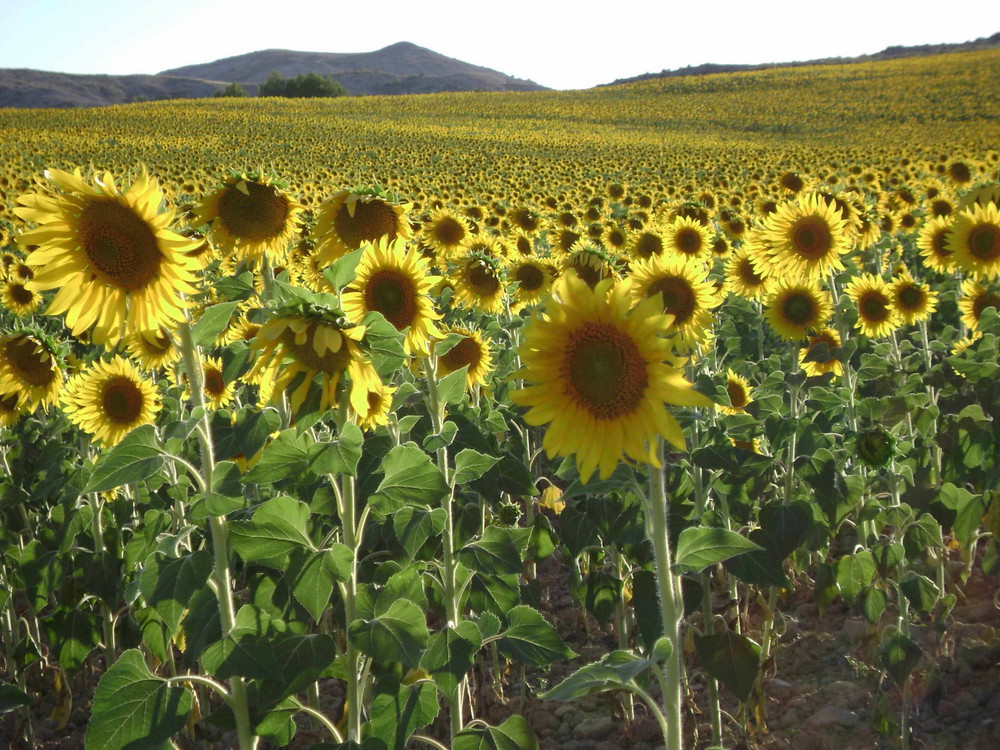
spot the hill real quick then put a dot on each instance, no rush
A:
(895, 52)
(401, 68)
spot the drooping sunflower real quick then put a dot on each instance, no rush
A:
(807, 237)
(933, 243)
(109, 400)
(688, 237)
(877, 316)
(534, 280)
(294, 350)
(116, 265)
(352, 218)
(250, 215)
(681, 284)
(16, 297)
(974, 300)
(599, 374)
(738, 389)
(445, 231)
(820, 356)
(379, 404)
(472, 351)
(479, 284)
(975, 241)
(28, 367)
(913, 301)
(396, 282)
(795, 307)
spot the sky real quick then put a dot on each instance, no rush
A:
(562, 45)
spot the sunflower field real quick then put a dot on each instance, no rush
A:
(506, 421)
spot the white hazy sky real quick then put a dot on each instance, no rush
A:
(562, 45)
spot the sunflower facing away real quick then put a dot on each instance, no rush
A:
(249, 215)
(795, 307)
(395, 282)
(352, 218)
(600, 376)
(109, 400)
(876, 314)
(28, 367)
(117, 267)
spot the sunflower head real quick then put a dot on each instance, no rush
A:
(352, 218)
(470, 350)
(738, 390)
(806, 236)
(445, 231)
(795, 307)
(29, 367)
(822, 354)
(934, 244)
(913, 301)
(975, 298)
(109, 400)
(974, 241)
(478, 281)
(877, 316)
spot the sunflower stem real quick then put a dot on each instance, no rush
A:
(670, 609)
(218, 528)
(448, 572)
(107, 616)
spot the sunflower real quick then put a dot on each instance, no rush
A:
(109, 400)
(479, 285)
(600, 375)
(293, 350)
(534, 280)
(615, 238)
(974, 300)
(590, 263)
(820, 356)
(806, 237)
(11, 409)
(933, 243)
(738, 388)
(742, 277)
(877, 316)
(688, 237)
(975, 241)
(445, 231)
(152, 350)
(29, 368)
(395, 282)
(17, 298)
(471, 350)
(683, 290)
(644, 243)
(379, 404)
(522, 245)
(250, 215)
(913, 301)
(352, 218)
(116, 265)
(795, 307)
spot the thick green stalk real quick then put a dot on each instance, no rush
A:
(448, 572)
(670, 606)
(107, 615)
(217, 524)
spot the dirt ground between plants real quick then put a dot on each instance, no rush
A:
(820, 696)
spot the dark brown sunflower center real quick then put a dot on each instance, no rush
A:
(257, 215)
(960, 172)
(616, 238)
(465, 352)
(481, 279)
(120, 245)
(748, 275)
(984, 242)
(8, 402)
(982, 302)
(448, 231)
(874, 307)
(393, 294)
(939, 243)
(122, 401)
(215, 384)
(371, 221)
(523, 245)
(910, 297)
(604, 371)
(19, 294)
(738, 395)
(791, 181)
(158, 343)
(648, 244)
(799, 309)
(811, 238)
(678, 297)
(818, 352)
(531, 278)
(565, 239)
(32, 367)
(331, 363)
(688, 241)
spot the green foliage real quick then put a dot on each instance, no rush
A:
(304, 86)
